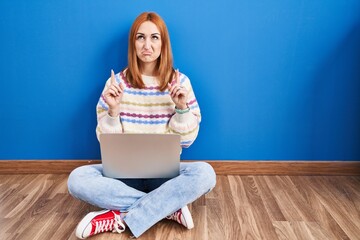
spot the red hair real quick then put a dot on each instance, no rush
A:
(164, 68)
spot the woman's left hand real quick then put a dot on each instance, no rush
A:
(178, 93)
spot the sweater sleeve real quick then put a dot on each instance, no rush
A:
(106, 123)
(187, 124)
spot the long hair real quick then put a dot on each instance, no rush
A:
(164, 67)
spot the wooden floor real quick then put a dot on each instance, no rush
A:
(240, 207)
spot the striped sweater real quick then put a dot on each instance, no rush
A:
(150, 110)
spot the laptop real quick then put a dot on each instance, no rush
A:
(140, 155)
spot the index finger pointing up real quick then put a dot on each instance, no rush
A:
(113, 81)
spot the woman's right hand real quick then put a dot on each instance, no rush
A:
(113, 96)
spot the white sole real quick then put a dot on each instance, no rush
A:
(187, 217)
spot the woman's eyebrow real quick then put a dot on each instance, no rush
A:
(139, 33)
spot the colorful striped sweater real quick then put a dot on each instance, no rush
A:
(150, 110)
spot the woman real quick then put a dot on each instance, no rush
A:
(147, 97)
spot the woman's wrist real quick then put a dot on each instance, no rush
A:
(113, 113)
(182, 107)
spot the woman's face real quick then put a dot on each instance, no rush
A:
(148, 42)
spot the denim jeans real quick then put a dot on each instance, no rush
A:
(146, 201)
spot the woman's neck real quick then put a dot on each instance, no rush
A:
(148, 69)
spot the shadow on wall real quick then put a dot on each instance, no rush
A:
(338, 82)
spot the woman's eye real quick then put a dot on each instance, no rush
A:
(140, 37)
(155, 37)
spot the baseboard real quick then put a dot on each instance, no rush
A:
(221, 167)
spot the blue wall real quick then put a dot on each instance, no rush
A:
(274, 79)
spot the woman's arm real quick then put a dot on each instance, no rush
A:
(185, 122)
(108, 120)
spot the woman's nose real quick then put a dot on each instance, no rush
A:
(147, 44)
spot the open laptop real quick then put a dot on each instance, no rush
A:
(140, 155)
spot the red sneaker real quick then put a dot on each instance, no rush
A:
(98, 222)
(182, 216)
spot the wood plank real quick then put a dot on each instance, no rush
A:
(302, 231)
(345, 168)
(296, 200)
(269, 200)
(262, 218)
(198, 211)
(223, 220)
(317, 231)
(249, 228)
(284, 230)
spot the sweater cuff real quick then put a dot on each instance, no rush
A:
(112, 121)
(183, 117)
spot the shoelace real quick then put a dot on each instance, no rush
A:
(118, 223)
(175, 216)
(108, 225)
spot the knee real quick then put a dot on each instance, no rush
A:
(78, 178)
(206, 175)
(73, 181)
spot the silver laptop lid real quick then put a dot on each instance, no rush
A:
(140, 155)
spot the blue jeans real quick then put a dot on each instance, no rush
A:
(146, 201)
